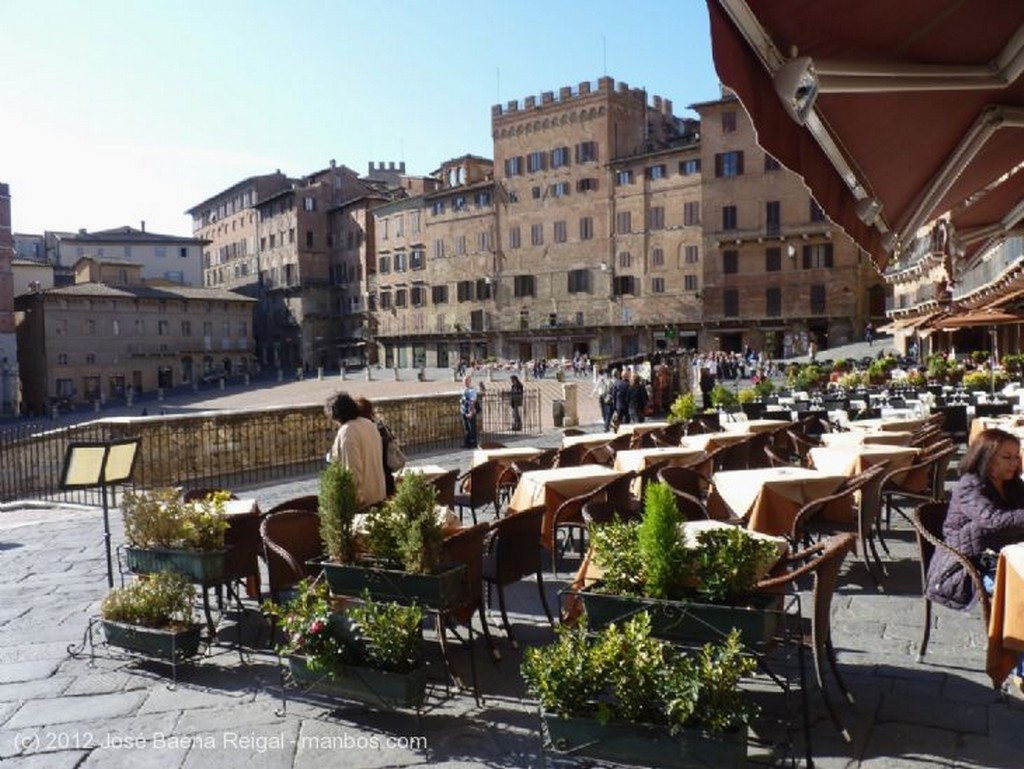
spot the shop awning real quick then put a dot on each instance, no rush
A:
(894, 113)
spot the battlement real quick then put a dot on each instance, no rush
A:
(382, 167)
(567, 94)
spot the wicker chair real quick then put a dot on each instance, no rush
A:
(928, 520)
(291, 539)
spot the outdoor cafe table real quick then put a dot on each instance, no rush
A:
(242, 540)
(1012, 424)
(430, 472)
(1006, 623)
(753, 426)
(587, 439)
(712, 441)
(852, 460)
(867, 437)
(768, 499)
(874, 425)
(634, 428)
(552, 487)
(638, 460)
(505, 456)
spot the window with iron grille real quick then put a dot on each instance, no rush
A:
(586, 152)
(438, 249)
(588, 184)
(656, 172)
(417, 259)
(535, 162)
(400, 296)
(384, 264)
(417, 295)
(385, 300)
(514, 166)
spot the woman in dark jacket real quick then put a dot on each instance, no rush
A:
(986, 511)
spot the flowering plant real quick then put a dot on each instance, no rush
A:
(309, 627)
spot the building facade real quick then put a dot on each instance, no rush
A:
(162, 258)
(9, 387)
(96, 341)
(777, 273)
(577, 239)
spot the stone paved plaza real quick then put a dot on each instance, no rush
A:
(57, 711)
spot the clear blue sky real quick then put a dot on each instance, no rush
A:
(116, 111)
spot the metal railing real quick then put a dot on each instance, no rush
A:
(231, 449)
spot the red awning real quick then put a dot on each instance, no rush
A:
(916, 106)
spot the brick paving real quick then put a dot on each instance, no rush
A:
(57, 711)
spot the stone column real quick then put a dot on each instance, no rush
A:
(572, 417)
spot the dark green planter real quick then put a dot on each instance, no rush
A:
(443, 590)
(201, 566)
(368, 685)
(623, 742)
(153, 642)
(684, 620)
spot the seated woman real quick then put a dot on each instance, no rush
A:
(986, 511)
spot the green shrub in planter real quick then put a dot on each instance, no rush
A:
(162, 600)
(982, 380)
(722, 396)
(160, 519)
(683, 408)
(338, 503)
(746, 395)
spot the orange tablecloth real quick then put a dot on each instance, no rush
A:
(753, 426)
(551, 488)
(505, 456)
(871, 437)
(587, 439)
(1006, 625)
(769, 498)
(639, 459)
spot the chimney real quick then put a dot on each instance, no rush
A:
(143, 225)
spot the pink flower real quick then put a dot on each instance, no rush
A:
(317, 627)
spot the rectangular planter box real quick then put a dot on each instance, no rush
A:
(641, 745)
(368, 685)
(443, 590)
(153, 642)
(201, 566)
(683, 620)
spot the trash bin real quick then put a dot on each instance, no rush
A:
(558, 411)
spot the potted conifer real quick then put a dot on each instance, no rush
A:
(396, 552)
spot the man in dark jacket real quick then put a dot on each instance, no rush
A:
(620, 397)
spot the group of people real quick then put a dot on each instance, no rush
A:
(362, 445)
(623, 395)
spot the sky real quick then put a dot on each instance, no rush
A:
(114, 112)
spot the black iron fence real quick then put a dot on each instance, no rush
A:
(233, 449)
